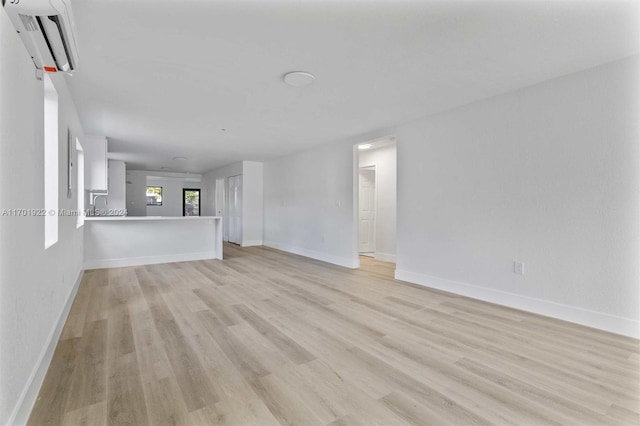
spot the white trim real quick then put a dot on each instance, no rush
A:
(325, 257)
(22, 410)
(385, 257)
(250, 243)
(149, 260)
(611, 323)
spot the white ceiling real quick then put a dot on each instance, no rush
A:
(161, 78)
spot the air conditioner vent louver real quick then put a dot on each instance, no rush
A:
(30, 23)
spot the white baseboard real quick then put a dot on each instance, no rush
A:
(148, 260)
(325, 257)
(22, 410)
(251, 243)
(593, 319)
(385, 257)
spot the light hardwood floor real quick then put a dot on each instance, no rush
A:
(269, 338)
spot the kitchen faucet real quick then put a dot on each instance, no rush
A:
(94, 198)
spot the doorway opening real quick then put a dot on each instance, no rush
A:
(191, 202)
(375, 203)
(367, 211)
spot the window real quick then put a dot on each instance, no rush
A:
(154, 195)
(191, 202)
(80, 185)
(50, 163)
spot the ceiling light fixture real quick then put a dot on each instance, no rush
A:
(180, 158)
(299, 78)
(364, 146)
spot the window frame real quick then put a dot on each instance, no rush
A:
(51, 162)
(161, 195)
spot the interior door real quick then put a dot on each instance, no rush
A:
(367, 210)
(234, 209)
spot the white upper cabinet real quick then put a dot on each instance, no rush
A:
(95, 163)
(117, 187)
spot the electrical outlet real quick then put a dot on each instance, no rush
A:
(518, 267)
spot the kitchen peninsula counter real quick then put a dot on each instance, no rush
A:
(117, 241)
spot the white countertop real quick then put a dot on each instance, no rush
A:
(131, 218)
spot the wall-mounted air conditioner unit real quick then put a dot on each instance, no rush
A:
(47, 30)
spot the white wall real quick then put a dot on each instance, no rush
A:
(35, 284)
(252, 203)
(308, 204)
(384, 159)
(547, 175)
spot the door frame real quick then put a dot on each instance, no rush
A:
(374, 168)
(355, 236)
(184, 191)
